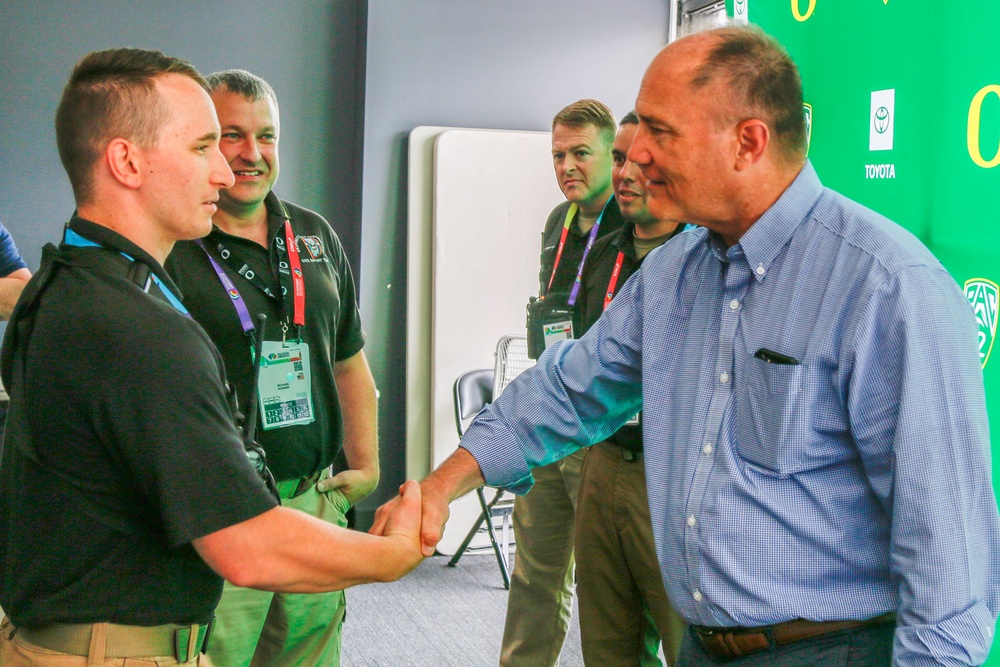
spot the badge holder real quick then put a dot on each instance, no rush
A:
(284, 384)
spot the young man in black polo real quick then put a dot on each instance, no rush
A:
(127, 491)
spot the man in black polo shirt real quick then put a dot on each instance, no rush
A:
(126, 488)
(541, 586)
(618, 575)
(316, 391)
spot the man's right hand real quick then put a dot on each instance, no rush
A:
(458, 475)
(434, 514)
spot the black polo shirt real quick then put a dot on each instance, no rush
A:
(595, 284)
(576, 243)
(120, 448)
(332, 331)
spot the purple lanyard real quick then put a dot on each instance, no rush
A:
(238, 303)
(586, 251)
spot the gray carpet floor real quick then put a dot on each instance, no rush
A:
(437, 616)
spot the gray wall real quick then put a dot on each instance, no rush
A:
(506, 65)
(307, 49)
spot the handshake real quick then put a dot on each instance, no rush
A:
(416, 517)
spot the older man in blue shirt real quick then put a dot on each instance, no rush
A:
(817, 445)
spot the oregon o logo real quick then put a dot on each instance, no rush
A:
(799, 16)
(975, 113)
(881, 120)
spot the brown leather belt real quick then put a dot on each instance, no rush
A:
(729, 643)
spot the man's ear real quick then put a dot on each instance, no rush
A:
(752, 139)
(125, 162)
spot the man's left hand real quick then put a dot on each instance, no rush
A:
(355, 484)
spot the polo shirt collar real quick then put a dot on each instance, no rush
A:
(114, 241)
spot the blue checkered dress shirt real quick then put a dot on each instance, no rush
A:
(854, 482)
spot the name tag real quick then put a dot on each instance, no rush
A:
(554, 331)
(285, 385)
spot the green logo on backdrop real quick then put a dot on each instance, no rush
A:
(881, 120)
(982, 294)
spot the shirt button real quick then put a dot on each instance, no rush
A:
(697, 596)
(734, 304)
(724, 378)
(707, 448)
(761, 270)
(692, 522)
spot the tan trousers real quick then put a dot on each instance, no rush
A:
(15, 652)
(618, 574)
(540, 603)
(265, 629)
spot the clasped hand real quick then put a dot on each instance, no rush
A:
(434, 507)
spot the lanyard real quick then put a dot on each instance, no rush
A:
(586, 251)
(238, 303)
(298, 283)
(289, 276)
(72, 238)
(562, 243)
(613, 283)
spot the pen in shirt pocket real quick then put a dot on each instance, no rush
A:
(772, 357)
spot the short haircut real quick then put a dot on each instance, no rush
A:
(629, 119)
(249, 86)
(588, 112)
(763, 83)
(111, 94)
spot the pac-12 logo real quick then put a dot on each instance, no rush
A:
(975, 125)
(982, 294)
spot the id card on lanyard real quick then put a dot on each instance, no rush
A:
(284, 386)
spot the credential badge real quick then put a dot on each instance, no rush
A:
(982, 294)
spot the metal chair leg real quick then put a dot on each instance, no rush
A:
(488, 511)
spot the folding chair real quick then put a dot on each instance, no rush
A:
(511, 360)
(473, 390)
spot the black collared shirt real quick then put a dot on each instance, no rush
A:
(120, 448)
(332, 331)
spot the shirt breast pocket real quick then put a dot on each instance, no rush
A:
(772, 416)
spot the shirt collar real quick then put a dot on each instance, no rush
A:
(112, 240)
(276, 216)
(766, 238)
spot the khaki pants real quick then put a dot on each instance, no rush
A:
(15, 652)
(276, 629)
(540, 603)
(618, 574)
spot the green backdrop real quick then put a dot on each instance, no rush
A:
(926, 154)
